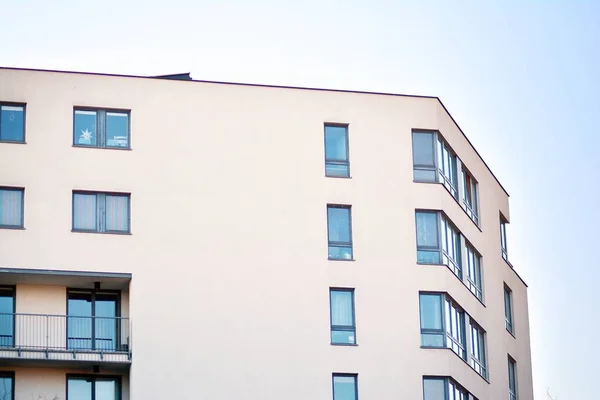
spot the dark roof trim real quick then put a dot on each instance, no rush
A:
(276, 87)
(185, 76)
(86, 274)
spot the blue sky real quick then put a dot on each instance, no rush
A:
(521, 79)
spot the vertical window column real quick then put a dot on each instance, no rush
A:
(339, 232)
(508, 309)
(512, 379)
(337, 159)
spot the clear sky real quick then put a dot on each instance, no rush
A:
(522, 79)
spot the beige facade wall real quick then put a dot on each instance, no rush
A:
(228, 251)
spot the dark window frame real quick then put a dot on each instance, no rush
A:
(101, 127)
(513, 392)
(440, 176)
(16, 189)
(470, 202)
(11, 376)
(475, 287)
(349, 244)
(449, 342)
(13, 290)
(101, 205)
(344, 375)
(345, 162)
(345, 328)
(447, 380)
(482, 361)
(93, 378)
(442, 221)
(93, 293)
(503, 238)
(14, 104)
(509, 316)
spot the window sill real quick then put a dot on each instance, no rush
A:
(14, 228)
(460, 280)
(341, 259)
(79, 146)
(511, 333)
(101, 233)
(345, 344)
(338, 177)
(13, 142)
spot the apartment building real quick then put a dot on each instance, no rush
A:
(164, 238)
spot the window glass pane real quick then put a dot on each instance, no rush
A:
(512, 378)
(85, 128)
(7, 302)
(432, 339)
(80, 389)
(427, 229)
(428, 257)
(431, 311)
(11, 211)
(338, 224)
(117, 213)
(84, 211)
(424, 175)
(12, 123)
(6, 384)
(344, 388)
(334, 169)
(341, 308)
(434, 389)
(79, 309)
(106, 389)
(117, 129)
(340, 252)
(343, 336)
(336, 147)
(423, 148)
(105, 322)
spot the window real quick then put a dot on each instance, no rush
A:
(101, 212)
(503, 238)
(339, 232)
(478, 349)
(470, 196)
(7, 385)
(93, 322)
(101, 128)
(439, 388)
(12, 122)
(474, 271)
(442, 330)
(438, 241)
(512, 379)
(434, 161)
(345, 387)
(336, 151)
(343, 328)
(11, 207)
(508, 309)
(93, 387)
(7, 316)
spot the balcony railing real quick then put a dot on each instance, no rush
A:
(65, 337)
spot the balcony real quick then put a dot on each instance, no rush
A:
(95, 340)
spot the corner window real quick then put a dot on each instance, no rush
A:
(442, 327)
(12, 122)
(470, 196)
(11, 207)
(101, 128)
(101, 212)
(474, 282)
(343, 328)
(478, 349)
(512, 379)
(7, 385)
(93, 387)
(345, 387)
(508, 309)
(503, 246)
(337, 162)
(7, 322)
(339, 232)
(434, 161)
(443, 388)
(438, 241)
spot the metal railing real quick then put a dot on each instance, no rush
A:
(64, 337)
